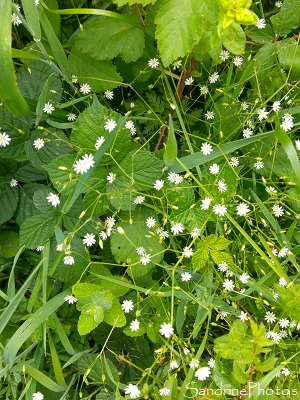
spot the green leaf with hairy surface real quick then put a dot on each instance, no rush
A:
(289, 55)
(95, 201)
(90, 125)
(100, 75)
(55, 144)
(262, 36)
(87, 322)
(221, 256)
(26, 208)
(287, 17)
(180, 196)
(117, 288)
(180, 27)
(115, 315)
(216, 242)
(9, 198)
(31, 81)
(192, 216)
(9, 244)
(120, 193)
(62, 173)
(41, 203)
(27, 173)
(115, 37)
(36, 230)
(235, 39)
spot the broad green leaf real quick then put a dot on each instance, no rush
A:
(114, 37)
(41, 203)
(192, 216)
(132, 2)
(216, 242)
(9, 198)
(171, 148)
(90, 125)
(62, 173)
(9, 243)
(181, 196)
(100, 369)
(100, 75)
(289, 55)
(222, 256)
(36, 230)
(235, 39)
(26, 207)
(179, 27)
(55, 145)
(262, 36)
(27, 173)
(86, 323)
(267, 364)
(87, 293)
(32, 18)
(115, 315)
(43, 379)
(200, 256)
(287, 17)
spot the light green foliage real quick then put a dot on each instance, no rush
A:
(114, 37)
(289, 55)
(180, 27)
(286, 18)
(132, 2)
(235, 39)
(171, 148)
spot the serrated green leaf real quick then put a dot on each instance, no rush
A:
(262, 36)
(100, 75)
(27, 173)
(222, 256)
(36, 230)
(267, 364)
(86, 323)
(286, 18)
(62, 173)
(178, 28)
(100, 369)
(115, 315)
(87, 293)
(200, 256)
(26, 207)
(216, 242)
(115, 37)
(40, 202)
(289, 55)
(90, 125)
(9, 198)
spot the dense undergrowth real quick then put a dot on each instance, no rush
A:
(150, 199)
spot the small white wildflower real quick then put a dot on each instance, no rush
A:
(187, 252)
(202, 373)
(177, 64)
(260, 24)
(132, 390)
(278, 211)
(48, 108)
(99, 142)
(287, 123)
(222, 187)
(262, 114)
(195, 232)
(74, 79)
(159, 183)
(205, 203)
(174, 178)
(243, 316)
(297, 144)
(270, 317)
(271, 190)
(37, 396)
(53, 199)
(89, 239)
(283, 252)
(234, 161)
(228, 284)
(166, 330)
(150, 222)
(69, 260)
(282, 282)
(145, 259)
(37, 2)
(242, 209)
(285, 371)
(213, 77)
(13, 183)
(173, 365)
(211, 363)
(237, 61)
(85, 88)
(40, 248)
(278, 4)
(247, 132)
(210, 115)
(111, 177)
(189, 81)
(176, 228)
(206, 148)
(153, 63)
(15, 19)
(140, 251)
(214, 169)
(139, 200)
(259, 164)
(80, 166)
(194, 363)
(38, 143)
(244, 278)
(224, 314)
(109, 94)
(284, 323)
(110, 222)
(276, 106)
(70, 299)
(220, 209)
(71, 117)
(164, 392)
(110, 125)
(127, 306)
(224, 55)
(244, 106)
(186, 276)
(4, 139)
(204, 90)
(223, 267)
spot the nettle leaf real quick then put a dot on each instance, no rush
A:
(136, 172)
(62, 174)
(26, 207)
(31, 81)
(179, 27)
(16, 128)
(9, 198)
(114, 37)
(288, 17)
(262, 36)
(90, 125)
(36, 230)
(216, 242)
(115, 315)
(9, 244)
(40, 202)
(56, 144)
(100, 75)
(27, 173)
(200, 256)
(136, 235)
(191, 217)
